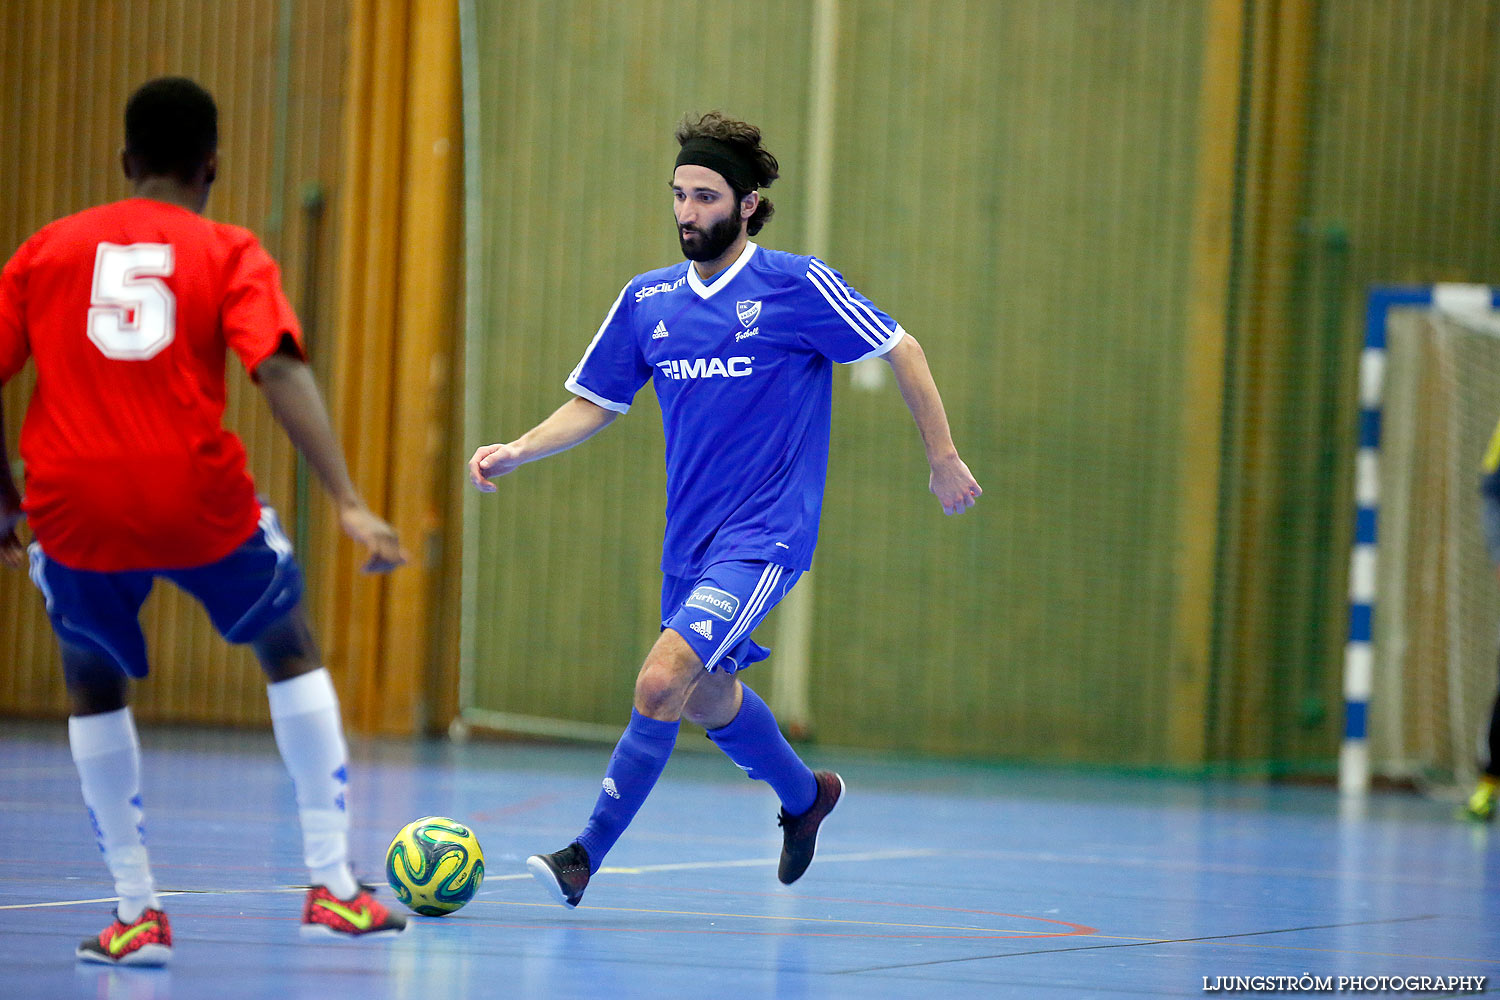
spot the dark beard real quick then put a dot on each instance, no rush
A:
(712, 244)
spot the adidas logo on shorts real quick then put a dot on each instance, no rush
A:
(704, 628)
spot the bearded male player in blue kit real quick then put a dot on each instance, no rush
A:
(739, 344)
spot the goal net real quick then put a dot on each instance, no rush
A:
(1437, 601)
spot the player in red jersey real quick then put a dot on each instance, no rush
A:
(129, 310)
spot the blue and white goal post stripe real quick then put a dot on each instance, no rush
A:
(1359, 653)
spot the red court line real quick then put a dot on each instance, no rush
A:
(512, 810)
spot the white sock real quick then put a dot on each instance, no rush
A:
(305, 719)
(107, 753)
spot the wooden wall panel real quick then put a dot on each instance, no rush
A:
(1252, 623)
(276, 70)
(398, 316)
(578, 101)
(1015, 182)
(1134, 237)
(1408, 138)
(1393, 152)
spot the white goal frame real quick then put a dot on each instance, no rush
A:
(1359, 655)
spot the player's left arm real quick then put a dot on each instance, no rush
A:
(950, 481)
(14, 349)
(298, 407)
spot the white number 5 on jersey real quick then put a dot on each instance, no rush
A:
(132, 312)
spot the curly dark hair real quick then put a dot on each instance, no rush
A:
(717, 125)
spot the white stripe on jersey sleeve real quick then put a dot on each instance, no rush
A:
(577, 388)
(858, 315)
(839, 308)
(861, 308)
(884, 348)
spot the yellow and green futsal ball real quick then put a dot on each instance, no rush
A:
(434, 865)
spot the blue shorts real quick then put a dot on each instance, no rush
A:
(717, 610)
(245, 592)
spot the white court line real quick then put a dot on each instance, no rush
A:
(159, 892)
(925, 852)
(687, 866)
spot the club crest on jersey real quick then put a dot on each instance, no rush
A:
(719, 603)
(748, 312)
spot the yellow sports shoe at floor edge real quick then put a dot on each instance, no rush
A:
(1481, 805)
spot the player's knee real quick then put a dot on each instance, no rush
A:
(693, 711)
(660, 690)
(286, 648)
(657, 693)
(712, 702)
(94, 684)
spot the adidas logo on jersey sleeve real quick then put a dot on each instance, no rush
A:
(704, 628)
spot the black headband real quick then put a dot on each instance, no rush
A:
(715, 154)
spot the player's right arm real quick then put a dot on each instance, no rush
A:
(602, 384)
(571, 424)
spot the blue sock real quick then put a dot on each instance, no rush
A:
(754, 742)
(633, 769)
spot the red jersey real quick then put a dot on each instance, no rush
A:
(128, 310)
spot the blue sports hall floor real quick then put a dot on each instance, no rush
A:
(932, 880)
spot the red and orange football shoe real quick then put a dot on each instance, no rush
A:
(147, 941)
(324, 914)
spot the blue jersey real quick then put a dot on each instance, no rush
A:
(743, 369)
